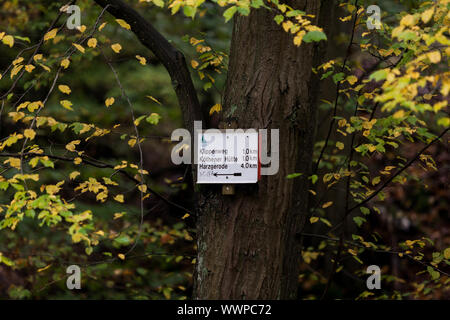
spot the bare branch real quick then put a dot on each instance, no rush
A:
(384, 185)
(98, 164)
(172, 59)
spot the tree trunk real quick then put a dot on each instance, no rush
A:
(247, 244)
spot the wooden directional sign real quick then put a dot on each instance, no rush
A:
(227, 158)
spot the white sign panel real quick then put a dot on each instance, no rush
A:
(227, 157)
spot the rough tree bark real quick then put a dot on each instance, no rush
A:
(247, 248)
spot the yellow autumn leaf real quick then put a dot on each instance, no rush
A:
(142, 188)
(109, 101)
(327, 204)
(73, 175)
(398, 114)
(434, 56)
(23, 105)
(100, 232)
(342, 122)
(339, 145)
(51, 34)
(29, 67)
(123, 24)
(348, 18)
(16, 70)
(194, 63)
(187, 215)
(116, 47)
(121, 256)
(287, 25)
(447, 253)
(132, 142)
(154, 99)
(92, 43)
(13, 162)
(369, 124)
(66, 104)
(52, 189)
(8, 40)
(71, 145)
(376, 180)
(407, 20)
(29, 133)
(17, 61)
(352, 79)
(79, 47)
(119, 198)
(44, 268)
(81, 28)
(142, 60)
(65, 63)
(313, 219)
(64, 89)
(427, 14)
(102, 26)
(299, 38)
(35, 105)
(37, 57)
(215, 108)
(118, 215)
(45, 67)
(77, 160)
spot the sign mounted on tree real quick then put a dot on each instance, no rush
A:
(227, 157)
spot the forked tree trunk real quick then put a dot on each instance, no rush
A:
(247, 244)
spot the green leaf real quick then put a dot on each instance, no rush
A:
(189, 11)
(153, 118)
(359, 220)
(293, 175)
(357, 259)
(338, 77)
(433, 273)
(229, 13)
(378, 75)
(122, 240)
(326, 75)
(294, 13)
(23, 38)
(315, 36)
(207, 86)
(326, 222)
(257, 3)
(48, 163)
(243, 10)
(278, 18)
(4, 185)
(159, 3)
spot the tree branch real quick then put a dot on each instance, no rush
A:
(410, 162)
(97, 164)
(172, 59)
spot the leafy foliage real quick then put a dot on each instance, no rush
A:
(74, 178)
